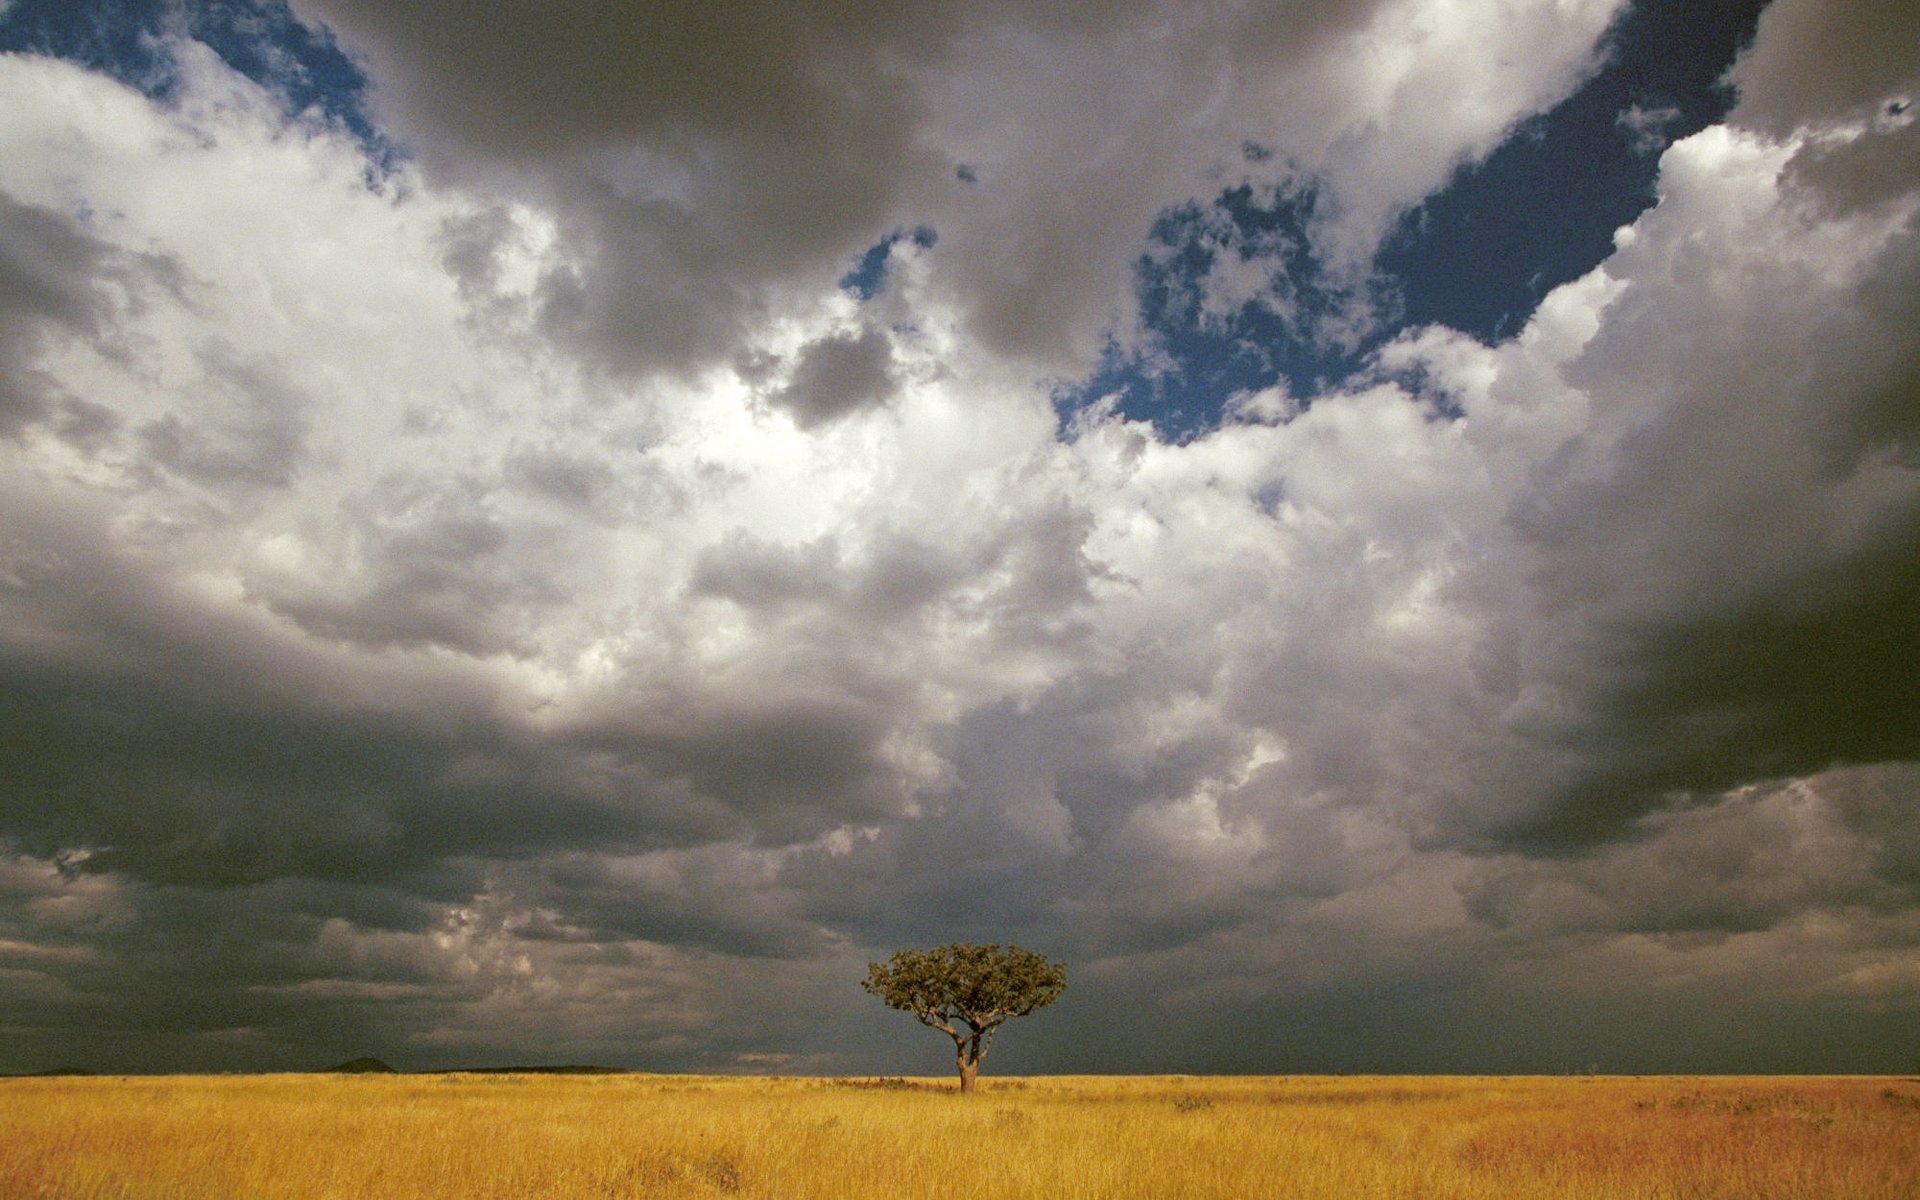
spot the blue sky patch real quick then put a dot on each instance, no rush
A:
(1541, 210)
(1233, 299)
(1477, 256)
(869, 273)
(260, 39)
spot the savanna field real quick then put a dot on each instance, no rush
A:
(1160, 1137)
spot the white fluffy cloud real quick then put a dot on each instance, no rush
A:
(520, 591)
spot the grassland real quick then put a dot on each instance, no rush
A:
(1164, 1137)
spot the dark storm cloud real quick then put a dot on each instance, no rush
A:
(289, 975)
(293, 876)
(174, 943)
(156, 744)
(215, 784)
(1757, 858)
(701, 154)
(1866, 171)
(443, 971)
(1813, 62)
(998, 841)
(1793, 79)
(1054, 829)
(787, 767)
(1792, 683)
(837, 376)
(1877, 802)
(1754, 598)
(210, 786)
(694, 899)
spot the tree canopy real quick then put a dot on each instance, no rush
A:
(967, 991)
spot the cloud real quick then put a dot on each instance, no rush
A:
(1864, 142)
(702, 165)
(1763, 854)
(1748, 630)
(54, 278)
(1787, 80)
(1645, 128)
(521, 590)
(837, 375)
(713, 172)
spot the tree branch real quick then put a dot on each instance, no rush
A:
(927, 1018)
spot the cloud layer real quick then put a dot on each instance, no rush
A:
(515, 604)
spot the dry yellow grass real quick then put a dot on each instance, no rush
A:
(1164, 1137)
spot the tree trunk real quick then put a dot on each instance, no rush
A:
(968, 1070)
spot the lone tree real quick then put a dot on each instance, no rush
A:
(966, 991)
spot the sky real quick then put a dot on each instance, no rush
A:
(1384, 534)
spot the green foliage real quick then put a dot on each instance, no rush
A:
(966, 991)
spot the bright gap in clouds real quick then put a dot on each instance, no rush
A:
(1235, 296)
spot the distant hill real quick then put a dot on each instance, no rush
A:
(361, 1066)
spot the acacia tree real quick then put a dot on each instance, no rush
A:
(966, 992)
